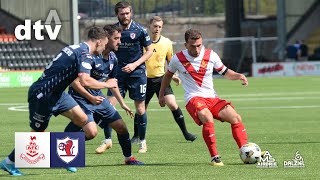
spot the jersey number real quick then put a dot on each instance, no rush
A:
(143, 88)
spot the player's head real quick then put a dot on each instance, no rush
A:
(98, 38)
(114, 35)
(193, 42)
(123, 11)
(155, 25)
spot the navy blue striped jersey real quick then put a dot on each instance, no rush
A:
(102, 69)
(62, 71)
(133, 40)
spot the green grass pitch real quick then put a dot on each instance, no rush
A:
(281, 115)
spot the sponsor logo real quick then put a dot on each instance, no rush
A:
(267, 161)
(38, 27)
(297, 162)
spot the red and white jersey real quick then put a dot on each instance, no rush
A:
(196, 73)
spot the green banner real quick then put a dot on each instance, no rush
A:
(18, 78)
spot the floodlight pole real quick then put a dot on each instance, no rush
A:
(74, 20)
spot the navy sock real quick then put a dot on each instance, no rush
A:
(135, 124)
(11, 155)
(125, 143)
(107, 132)
(178, 117)
(72, 128)
(142, 126)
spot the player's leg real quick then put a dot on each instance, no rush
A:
(228, 114)
(199, 111)
(137, 92)
(124, 140)
(177, 113)
(39, 115)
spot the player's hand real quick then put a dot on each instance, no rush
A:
(128, 110)
(176, 80)
(129, 68)
(162, 102)
(96, 100)
(244, 80)
(112, 83)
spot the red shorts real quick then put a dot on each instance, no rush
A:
(199, 103)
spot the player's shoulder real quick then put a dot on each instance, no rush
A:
(165, 39)
(137, 26)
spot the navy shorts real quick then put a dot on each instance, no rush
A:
(40, 110)
(102, 114)
(136, 86)
(153, 86)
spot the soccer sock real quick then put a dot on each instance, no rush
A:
(135, 124)
(107, 132)
(11, 159)
(142, 126)
(72, 128)
(178, 117)
(125, 143)
(239, 134)
(210, 138)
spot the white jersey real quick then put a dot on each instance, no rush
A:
(196, 73)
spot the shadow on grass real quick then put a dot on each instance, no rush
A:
(148, 164)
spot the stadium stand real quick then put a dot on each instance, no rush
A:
(20, 55)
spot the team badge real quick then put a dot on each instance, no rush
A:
(111, 67)
(67, 149)
(32, 154)
(132, 35)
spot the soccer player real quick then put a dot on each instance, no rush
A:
(195, 65)
(95, 105)
(131, 69)
(47, 96)
(155, 65)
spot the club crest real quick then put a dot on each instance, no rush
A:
(67, 149)
(32, 155)
(132, 35)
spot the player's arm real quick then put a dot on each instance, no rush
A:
(164, 84)
(132, 66)
(90, 83)
(231, 75)
(169, 56)
(117, 95)
(84, 93)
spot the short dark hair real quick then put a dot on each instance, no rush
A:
(111, 28)
(121, 4)
(155, 18)
(192, 34)
(96, 32)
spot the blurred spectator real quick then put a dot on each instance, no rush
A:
(303, 51)
(292, 52)
(316, 55)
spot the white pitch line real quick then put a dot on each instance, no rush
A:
(229, 99)
(25, 108)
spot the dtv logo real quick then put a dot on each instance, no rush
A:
(37, 27)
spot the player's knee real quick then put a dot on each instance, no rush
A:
(91, 134)
(120, 127)
(236, 119)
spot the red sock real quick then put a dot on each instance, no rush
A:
(210, 138)
(239, 134)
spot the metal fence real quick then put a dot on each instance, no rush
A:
(141, 8)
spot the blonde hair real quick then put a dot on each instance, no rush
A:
(155, 18)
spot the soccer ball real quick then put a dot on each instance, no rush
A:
(250, 153)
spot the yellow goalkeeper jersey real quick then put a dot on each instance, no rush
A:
(162, 54)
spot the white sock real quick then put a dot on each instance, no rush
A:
(127, 158)
(8, 161)
(143, 141)
(107, 141)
